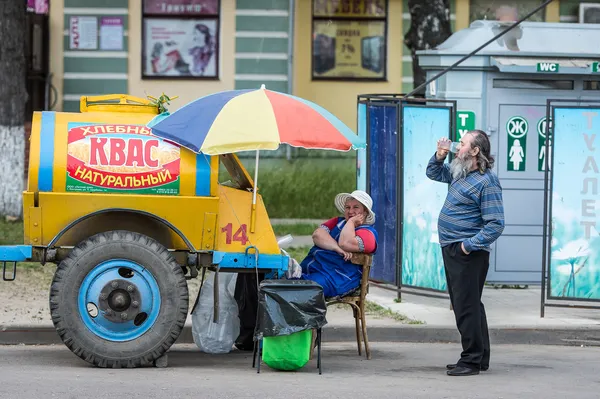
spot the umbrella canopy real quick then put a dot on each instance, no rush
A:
(253, 119)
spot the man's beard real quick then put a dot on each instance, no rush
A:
(459, 168)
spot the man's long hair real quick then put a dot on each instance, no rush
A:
(484, 158)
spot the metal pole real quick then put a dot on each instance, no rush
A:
(545, 233)
(290, 64)
(253, 210)
(448, 69)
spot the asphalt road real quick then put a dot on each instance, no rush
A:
(396, 371)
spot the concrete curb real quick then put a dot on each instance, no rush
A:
(44, 335)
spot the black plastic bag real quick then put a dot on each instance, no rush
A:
(246, 296)
(289, 306)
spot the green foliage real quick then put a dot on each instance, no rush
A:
(303, 188)
(11, 233)
(297, 253)
(161, 101)
(296, 229)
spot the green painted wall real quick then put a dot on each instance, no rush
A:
(94, 72)
(261, 45)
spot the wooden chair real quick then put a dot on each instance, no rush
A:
(357, 301)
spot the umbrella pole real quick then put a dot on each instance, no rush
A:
(253, 213)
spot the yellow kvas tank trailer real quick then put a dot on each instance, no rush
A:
(128, 217)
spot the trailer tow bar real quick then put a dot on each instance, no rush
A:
(14, 271)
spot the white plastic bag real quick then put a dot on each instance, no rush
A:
(294, 269)
(218, 337)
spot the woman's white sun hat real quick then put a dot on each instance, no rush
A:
(360, 196)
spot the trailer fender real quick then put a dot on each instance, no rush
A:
(124, 210)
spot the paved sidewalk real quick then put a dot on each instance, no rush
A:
(505, 308)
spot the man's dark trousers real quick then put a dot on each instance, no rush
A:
(466, 276)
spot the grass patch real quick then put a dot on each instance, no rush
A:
(507, 286)
(296, 229)
(11, 233)
(303, 188)
(376, 310)
(297, 253)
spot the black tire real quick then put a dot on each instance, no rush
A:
(170, 315)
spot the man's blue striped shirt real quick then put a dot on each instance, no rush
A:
(473, 212)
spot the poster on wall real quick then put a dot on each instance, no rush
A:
(575, 206)
(350, 9)
(111, 33)
(422, 263)
(180, 48)
(37, 6)
(349, 49)
(83, 33)
(115, 158)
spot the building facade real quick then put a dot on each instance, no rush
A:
(327, 51)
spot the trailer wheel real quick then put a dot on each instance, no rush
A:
(119, 300)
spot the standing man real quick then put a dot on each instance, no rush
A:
(471, 219)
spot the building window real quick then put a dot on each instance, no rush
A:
(591, 85)
(506, 10)
(349, 39)
(180, 39)
(536, 84)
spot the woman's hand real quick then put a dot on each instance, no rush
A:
(346, 255)
(357, 220)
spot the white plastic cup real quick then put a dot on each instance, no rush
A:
(450, 146)
(285, 240)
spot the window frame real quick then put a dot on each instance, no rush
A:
(385, 20)
(185, 17)
(520, 84)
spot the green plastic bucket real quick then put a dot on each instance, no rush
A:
(287, 352)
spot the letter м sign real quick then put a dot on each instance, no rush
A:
(547, 67)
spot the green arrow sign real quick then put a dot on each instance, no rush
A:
(465, 121)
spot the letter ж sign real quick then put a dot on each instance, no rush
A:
(517, 128)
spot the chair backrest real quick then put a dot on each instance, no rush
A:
(366, 260)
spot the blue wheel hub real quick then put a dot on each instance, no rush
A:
(119, 300)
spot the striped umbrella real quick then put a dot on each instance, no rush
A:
(254, 119)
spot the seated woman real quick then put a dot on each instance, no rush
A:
(328, 261)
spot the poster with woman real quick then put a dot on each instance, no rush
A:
(180, 48)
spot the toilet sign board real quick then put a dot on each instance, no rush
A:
(517, 128)
(541, 129)
(465, 121)
(547, 67)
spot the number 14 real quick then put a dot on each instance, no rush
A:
(240, 234)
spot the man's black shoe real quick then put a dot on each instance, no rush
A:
(462, 371)
(453, 366)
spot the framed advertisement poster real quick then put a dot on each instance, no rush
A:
(349, 40)
(180, 39)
